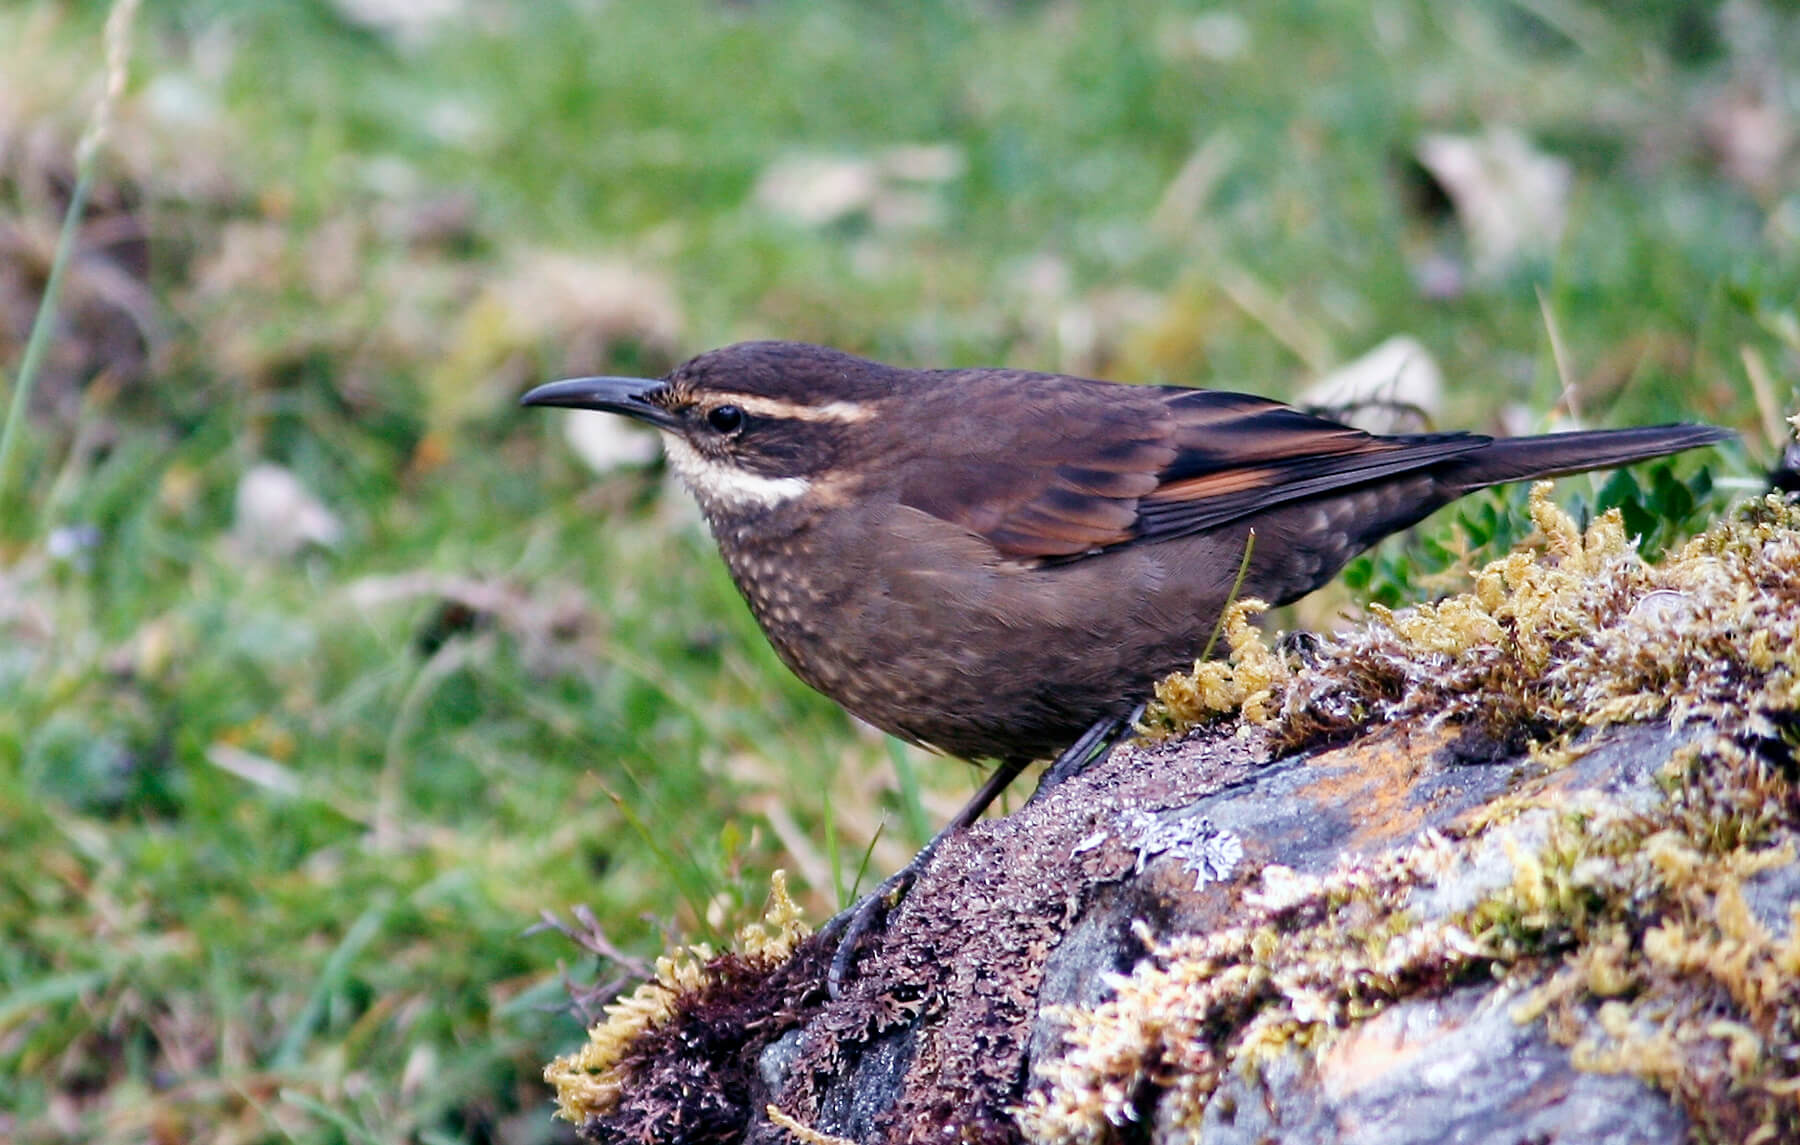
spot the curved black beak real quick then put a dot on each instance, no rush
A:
(628, 396)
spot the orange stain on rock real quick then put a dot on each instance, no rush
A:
(1374, 782)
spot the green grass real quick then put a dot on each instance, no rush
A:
(273, 839)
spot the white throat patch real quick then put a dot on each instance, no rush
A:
(725, 485)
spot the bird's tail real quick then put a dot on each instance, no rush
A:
(1553, 455)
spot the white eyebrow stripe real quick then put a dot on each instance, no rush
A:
(719, 484)
(845, 412)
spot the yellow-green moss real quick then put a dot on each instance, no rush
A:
(589, 1081)
(1575, 635)
(1242, 682)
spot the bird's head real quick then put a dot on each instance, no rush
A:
(751, 427)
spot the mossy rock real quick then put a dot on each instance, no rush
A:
(1516, 866)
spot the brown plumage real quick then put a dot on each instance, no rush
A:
(989, 561)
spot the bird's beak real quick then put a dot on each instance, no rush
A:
(628, 396)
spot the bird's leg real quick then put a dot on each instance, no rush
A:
(855, 922)
(1092, 748)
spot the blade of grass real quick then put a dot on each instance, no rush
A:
(389, 786)
(117, 38)
(38, 342)
(831, 850)
(1559, 354)
(862, 868)
(49, 991)
(912, 807)
(331, 976)
(1237, 585)
(685, 868)
(1768, 407)
(335, 1118)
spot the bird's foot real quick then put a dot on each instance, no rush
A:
(862, 917)
(1091, 749)
(869, 914)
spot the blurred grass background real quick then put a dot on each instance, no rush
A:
(324, 669)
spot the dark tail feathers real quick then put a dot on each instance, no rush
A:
(1555, 454)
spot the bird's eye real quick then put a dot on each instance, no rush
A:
(725, 419)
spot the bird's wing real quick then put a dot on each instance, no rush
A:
(1150, 463)
(1235, 459)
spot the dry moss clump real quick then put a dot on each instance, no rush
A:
(1579, 635)
(1624, 922)
(697, 996)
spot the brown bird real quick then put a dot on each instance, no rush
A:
(991, 562)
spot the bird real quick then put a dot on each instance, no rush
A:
(998, 564)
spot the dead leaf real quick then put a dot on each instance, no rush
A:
(1750, 133)
(1511, 199)
(893, 189)
(278, 516)
(551, 315)
(408, 23)
(1395, 388)
(605, 442)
